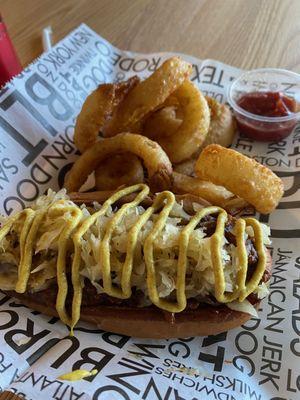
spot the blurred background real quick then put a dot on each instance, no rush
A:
(243, 33)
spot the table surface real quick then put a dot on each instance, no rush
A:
(243, 33)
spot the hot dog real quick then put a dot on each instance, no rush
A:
(148, 266)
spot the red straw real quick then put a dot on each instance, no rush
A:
(9, 62)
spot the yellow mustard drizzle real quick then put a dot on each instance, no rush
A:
(75, 228)
(262, 259)
(62, 283)
(124, 291)
(77, 375)
(149, 257)
(26, 259)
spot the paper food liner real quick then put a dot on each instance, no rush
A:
(258, 361)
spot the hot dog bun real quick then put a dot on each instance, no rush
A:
(150, 322)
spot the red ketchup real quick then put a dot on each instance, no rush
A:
(270, 105)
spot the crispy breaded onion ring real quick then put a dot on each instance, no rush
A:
(163, 122)
(221, 131)
(216, 195)
(155, 160)
(241, 175)
(92, 116)
(222, 125)
(190, 135)
(148, 95)
(186, 167)
(121, 169)
(97, 107)
(123, 88)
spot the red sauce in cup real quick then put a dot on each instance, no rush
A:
(270, 105)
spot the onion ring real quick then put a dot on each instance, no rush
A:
(148, 95)
(186, 167)
(123, 88)
(97, 108)
(216, 195)
(161, 123)
(155, 160)
(221, 131)
(121, 169)
(241, 175)
(222, 125)
(195, 124)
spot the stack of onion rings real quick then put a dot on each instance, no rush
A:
(147, 96)
(171, 122)
(96, 110)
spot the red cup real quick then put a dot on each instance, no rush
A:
(9, 62)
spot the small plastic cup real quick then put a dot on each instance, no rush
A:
(259, 127)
